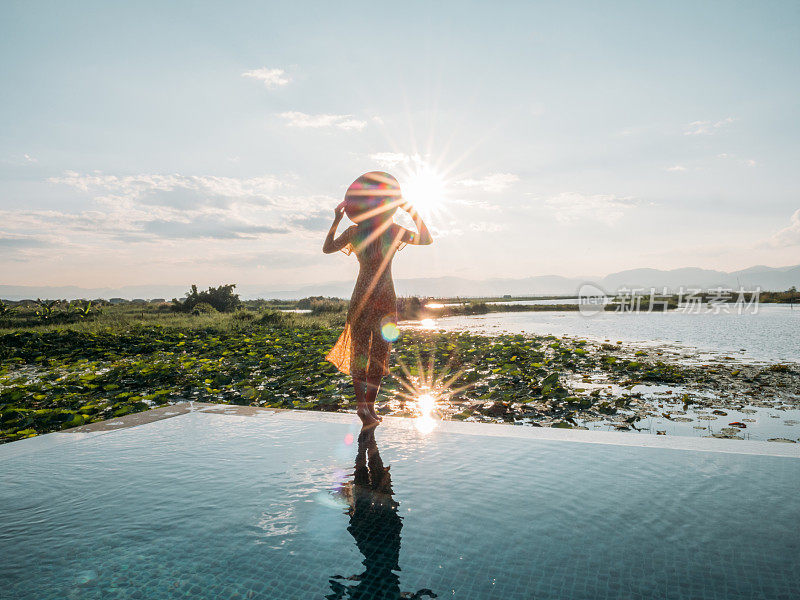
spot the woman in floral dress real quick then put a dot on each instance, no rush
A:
(363, 348)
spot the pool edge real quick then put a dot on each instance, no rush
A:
(635, 440)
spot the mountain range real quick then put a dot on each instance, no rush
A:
(766, 278)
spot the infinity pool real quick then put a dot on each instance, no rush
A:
(224, 503)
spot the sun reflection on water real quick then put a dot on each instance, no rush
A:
(424, 409)
(427, 394)
(428, 324)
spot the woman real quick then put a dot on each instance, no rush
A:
(363, 348)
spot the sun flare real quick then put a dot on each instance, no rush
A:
(425, 421)
(426, 393)
(424, 189)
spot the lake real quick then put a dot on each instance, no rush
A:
(769, 335)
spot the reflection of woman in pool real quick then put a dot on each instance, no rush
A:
(375, 526)
(363, 348)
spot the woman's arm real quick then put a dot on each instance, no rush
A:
(330, 246)
(423, 236)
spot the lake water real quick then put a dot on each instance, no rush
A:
(772, 334)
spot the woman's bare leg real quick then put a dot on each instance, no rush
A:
(373, 384)
(364, 410)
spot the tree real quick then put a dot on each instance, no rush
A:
(221, 298)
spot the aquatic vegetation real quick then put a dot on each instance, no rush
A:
(56, 377)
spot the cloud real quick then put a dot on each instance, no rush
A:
(30, 158)
(152, 207)
(389, 160)
(706, 127)
(20, 241)
(272, 78)
(205, 225)
(676, 168)
(273, 259)
(313, 221)
(493, 183)
(147, 187)
(573, 206)
(486, 227)
(303, 120)
(788, 236)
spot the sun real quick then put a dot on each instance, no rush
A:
(424, 189)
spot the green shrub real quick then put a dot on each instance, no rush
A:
(203, 308)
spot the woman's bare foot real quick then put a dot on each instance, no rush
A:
(367, 416)
(373, 413)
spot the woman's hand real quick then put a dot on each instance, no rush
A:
(330, 244)
(338, 212)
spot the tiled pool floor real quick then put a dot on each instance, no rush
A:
(282, 504)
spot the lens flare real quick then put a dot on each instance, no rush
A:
(390, 331)
(428, 324)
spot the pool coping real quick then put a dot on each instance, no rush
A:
(634, 440)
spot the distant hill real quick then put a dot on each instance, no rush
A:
(767, 278)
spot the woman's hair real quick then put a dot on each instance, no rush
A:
(374, 195)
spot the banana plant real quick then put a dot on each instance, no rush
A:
(46, 309)
(83, 310)
(5, 309)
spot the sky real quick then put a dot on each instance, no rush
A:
(199, 142)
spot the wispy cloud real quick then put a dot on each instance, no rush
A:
(492, 183)
(747, 162)
(388, 160)
(138, 185)
(303, 120)
(271, 78)
(574, 206)
(29, 158)
(790, 235)
(13, 241)
(706, 127)
(486, 227)
(676, 168)
(151, 207)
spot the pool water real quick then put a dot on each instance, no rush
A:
(287, 505)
